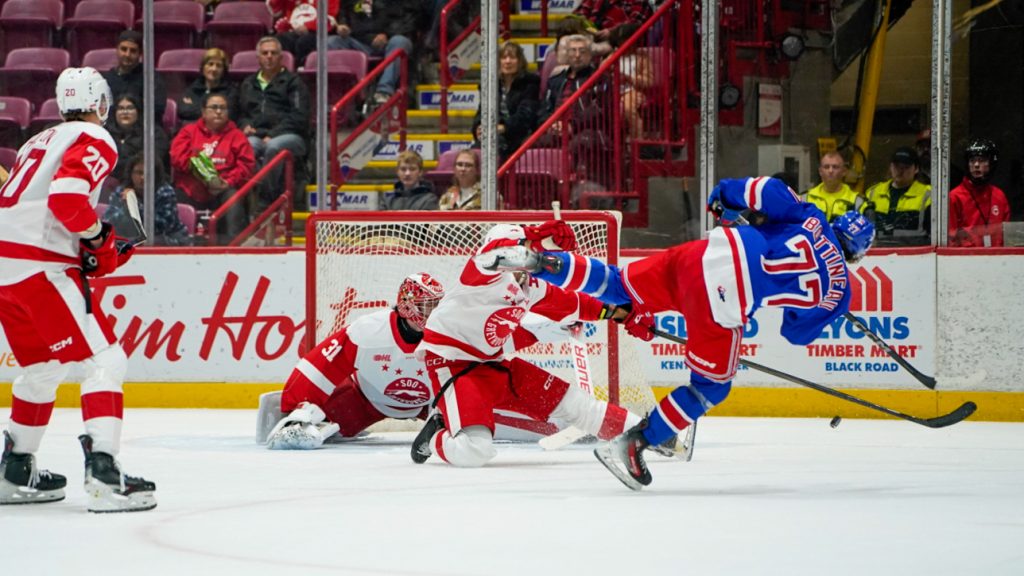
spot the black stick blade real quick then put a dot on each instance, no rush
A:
(958, 415)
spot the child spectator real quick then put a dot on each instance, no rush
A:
(167, 226)
(411, 192)
(126, 129)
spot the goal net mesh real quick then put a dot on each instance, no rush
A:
(356, 261)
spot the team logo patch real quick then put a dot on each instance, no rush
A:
(721, 293)
(408, 391)
(500, 325)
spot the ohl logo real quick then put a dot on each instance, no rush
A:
(500, 325)
(870, 290)
(408, 391)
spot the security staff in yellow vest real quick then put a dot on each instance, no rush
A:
(833, 196)
(903, 203)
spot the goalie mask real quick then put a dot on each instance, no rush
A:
(417, 297)
(83, 90)
(856, 234)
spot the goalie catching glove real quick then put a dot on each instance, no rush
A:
(551, 235)
(111, 254)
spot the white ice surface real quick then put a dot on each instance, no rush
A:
(761, 496)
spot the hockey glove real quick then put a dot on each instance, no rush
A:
(725, 215)
(551, 235)
(639, 324)
(109, 256)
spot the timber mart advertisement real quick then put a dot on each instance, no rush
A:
(241, 318)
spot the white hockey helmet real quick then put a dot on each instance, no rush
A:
(83, 90)
(417, 297)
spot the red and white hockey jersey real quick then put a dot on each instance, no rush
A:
(383, 364)
(50, 198)
(475, 318)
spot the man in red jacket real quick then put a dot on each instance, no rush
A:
(217, 138)
(977, 209)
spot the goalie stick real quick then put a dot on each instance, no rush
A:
(928, 381)
(958, 415)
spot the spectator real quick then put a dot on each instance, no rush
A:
(833, 196)
(923, 146)
(169, 229)
(977, 208)
(214, 80)
(273, 113)
(518, 100)
(295, 24)
(565, 83)
(228, 151)
(636, 72)
(126, 129)
(573, 25)
(605, 15)
(464, 193)
(902, 204)
(127, 77)
(411, 192)
(378, 28)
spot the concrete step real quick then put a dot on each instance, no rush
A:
(460, 121)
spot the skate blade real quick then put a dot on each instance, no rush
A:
(104, 499)
(12, 494)
(605, 456)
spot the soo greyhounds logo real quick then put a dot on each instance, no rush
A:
(500, 325)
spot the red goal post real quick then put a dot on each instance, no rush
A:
(355, 262)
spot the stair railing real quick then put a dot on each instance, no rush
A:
(281, 207)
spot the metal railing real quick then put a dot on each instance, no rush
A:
(627, 121)
(389, 117)
(280, 207)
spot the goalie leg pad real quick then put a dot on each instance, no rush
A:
(593, 416)
(268, 415)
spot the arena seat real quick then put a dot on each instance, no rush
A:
(237, 26)
(32, 72)
(187, 215)
(15, 113)
(178, 68)
(539, 174)
(176, 24)
(345, 68)
(47, 115)
(25, 23)
(7, 158)
(101, 59)
(97, 24)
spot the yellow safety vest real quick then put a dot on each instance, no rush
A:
(835, 203)
(907, 217)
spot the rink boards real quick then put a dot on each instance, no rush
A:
(216, 329)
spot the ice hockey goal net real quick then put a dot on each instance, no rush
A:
(356, 261)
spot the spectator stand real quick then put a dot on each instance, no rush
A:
(177, 24)
(582, 155)
(15, 114)
(32, 72)
(237, 26)
(96, 24)
(447, 49)
(25, 23)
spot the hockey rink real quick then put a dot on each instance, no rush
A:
(761, 496)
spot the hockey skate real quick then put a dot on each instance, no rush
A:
(22, 483)
(679, 446)
(110, 490)
(306, 428)
(623, 457)
(518, 259)
(421, 450)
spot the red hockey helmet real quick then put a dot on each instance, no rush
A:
(417, 297)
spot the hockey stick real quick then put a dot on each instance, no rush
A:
(132, 202)
(928, 381)
(581, 370)
(961, 413)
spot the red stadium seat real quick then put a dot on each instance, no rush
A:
(177, 24)
(170, 119)
(539, 176)
(32, 72)
(30, 23)
(237, 26)
(187, 215)
(97, 24)
(48, 115)
(102, 59)
(178, 68)
(345, 68)
(14, 118)
(7, 158)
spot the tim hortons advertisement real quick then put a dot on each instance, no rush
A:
(192, 317)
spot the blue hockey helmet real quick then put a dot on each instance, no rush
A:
(856, 233)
